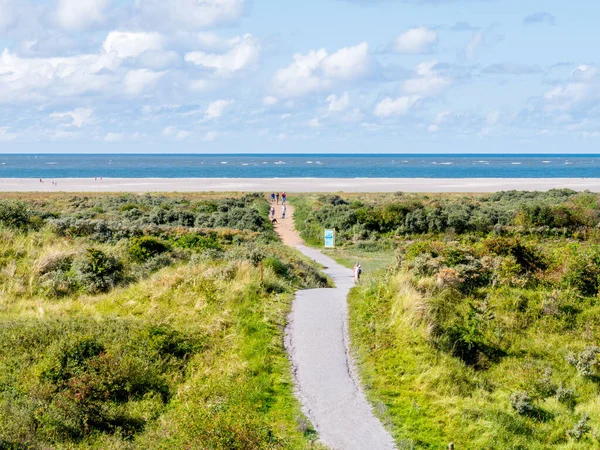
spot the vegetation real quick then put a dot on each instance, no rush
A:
(483, 328)
(147, 321)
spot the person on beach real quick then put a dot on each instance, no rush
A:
(272, 212)
(357, 272)
(277, 197)
(272, 197)
(283, 212)
(283, 197)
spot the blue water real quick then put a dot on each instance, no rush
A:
(297, 166)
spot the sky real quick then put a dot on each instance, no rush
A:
(309, 76)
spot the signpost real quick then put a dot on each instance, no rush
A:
(329, 238)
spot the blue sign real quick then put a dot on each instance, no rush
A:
(329, 238)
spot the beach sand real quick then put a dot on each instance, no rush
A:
(296, 184)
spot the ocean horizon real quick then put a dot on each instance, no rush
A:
(300, 165)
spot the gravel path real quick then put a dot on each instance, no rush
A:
(317, 341)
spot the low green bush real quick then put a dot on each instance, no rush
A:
(98, 272)
(146, 247)
(15, 214)
(583, 272)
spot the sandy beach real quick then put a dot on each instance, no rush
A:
(296, 184)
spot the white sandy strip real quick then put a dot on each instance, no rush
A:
(296, 184)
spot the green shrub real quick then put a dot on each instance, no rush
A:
(146, 247)
(585, 362)
(522, 403)
(196, 241)
(583, 272)
(98, 272)
(566, 396)
(528, 257)
(14, 214)
(580, 429)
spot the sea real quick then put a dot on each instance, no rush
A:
(299, 166)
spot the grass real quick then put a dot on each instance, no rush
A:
(185, 350)
(444, 352)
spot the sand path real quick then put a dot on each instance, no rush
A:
(317, 342)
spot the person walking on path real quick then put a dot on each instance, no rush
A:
(272, 197)
(272, 212)
(283, 198)
(357, 272)
(277, 197)
(283, 212)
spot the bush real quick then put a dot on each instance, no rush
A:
(583, 273)
(196, 241)
(566, 396)
(528, 257)
(14, 214)
(580, 429)
(146, 247)
(521, 403)
(98, 272)
(585, 362)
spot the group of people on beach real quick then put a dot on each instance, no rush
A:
(275, 197)
(283, 211)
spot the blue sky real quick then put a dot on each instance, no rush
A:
(239, 76)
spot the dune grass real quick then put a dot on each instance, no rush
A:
(170, 342)
(485, 337)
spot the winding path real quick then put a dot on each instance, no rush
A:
(317, 342)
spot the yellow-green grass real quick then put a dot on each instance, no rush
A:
(430, 398)
(196, 348)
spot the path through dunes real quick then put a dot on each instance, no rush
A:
(317, 341)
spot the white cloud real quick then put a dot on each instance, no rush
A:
(189, 14)
(584, 73)
(199, 85)
(416, 40)
(243, 52)
(137, 81)
(174, 133)
(583, 87)
(318, 70)
(38, 78)
(130, 45)
(395, 107)
(482, 39)
(337, 104)
(433, 128)
(566, 97)
(80, 14)
(493, 117)
(427, 82)
(348, 62)
(114, 137)
(210, 136)
(8, 14)
(473, 45)
(217, 108)
(5, 135)
(314, 123)
(269, 100)
(78, 117)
